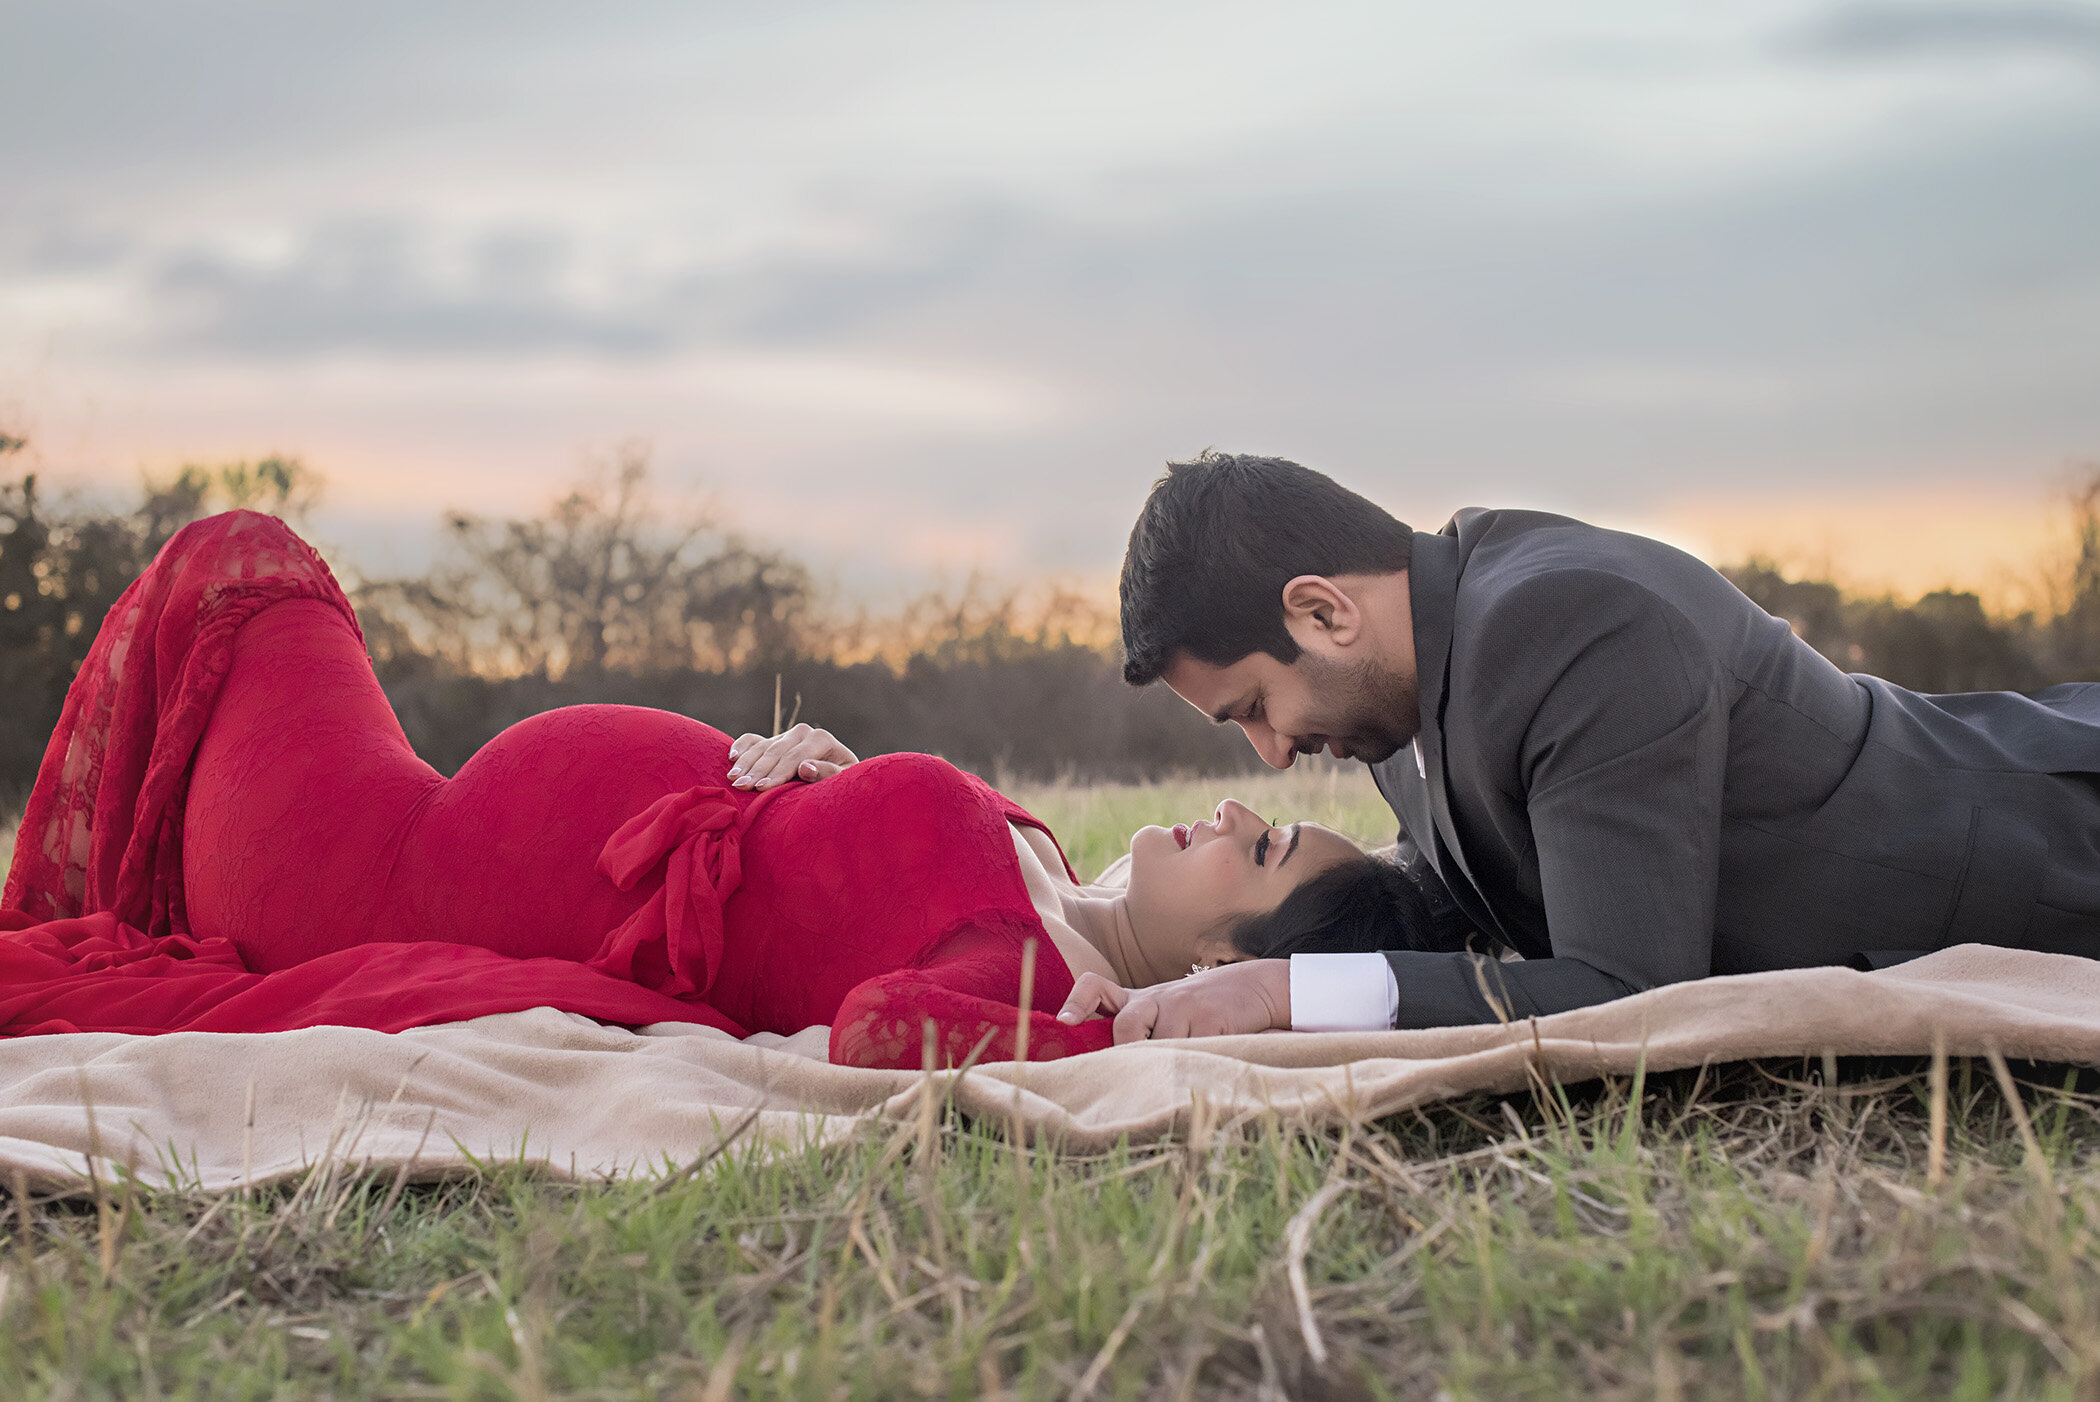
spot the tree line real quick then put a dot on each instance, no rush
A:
(1946, 641)
(612, 594)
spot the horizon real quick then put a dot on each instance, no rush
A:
(1921, 547)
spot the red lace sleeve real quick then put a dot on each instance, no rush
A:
(970, 989)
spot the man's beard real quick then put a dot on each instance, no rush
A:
(1373, 711)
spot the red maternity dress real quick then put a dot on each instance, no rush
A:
(230, 833)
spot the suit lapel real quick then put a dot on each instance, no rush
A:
(1433, 588)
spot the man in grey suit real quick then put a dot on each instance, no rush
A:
(1604, 759)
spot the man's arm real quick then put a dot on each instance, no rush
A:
(1622, 757)
(1445, 990)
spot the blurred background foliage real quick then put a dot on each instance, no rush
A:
(1945, 641)
(615, 594)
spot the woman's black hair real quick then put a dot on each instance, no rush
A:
(1365, 903)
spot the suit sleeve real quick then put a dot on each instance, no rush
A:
(1621, 759)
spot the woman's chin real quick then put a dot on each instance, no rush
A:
(1151, 844)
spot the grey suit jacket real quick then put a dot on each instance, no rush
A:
(1629, 774)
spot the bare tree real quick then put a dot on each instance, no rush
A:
(606, 580)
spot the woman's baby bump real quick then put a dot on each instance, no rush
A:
(854, 877)
(505, 854)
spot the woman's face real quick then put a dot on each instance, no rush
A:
(1188, 883)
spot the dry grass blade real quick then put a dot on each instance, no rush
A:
(1297, 1236)
(2024, 1318)
(715, 1151)
(393, 1195)
(1936, 1141)
(2037, 1161)
(969, 1063)
(722, 1377)
(1026, 1005)
(202, 1222)
(1112, 1345)
(25, 1224)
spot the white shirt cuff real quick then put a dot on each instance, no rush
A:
(1343, 993)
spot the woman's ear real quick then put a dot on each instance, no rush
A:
(1314, 606)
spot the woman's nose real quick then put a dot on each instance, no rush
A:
(1232, 813)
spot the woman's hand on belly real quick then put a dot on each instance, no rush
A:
(799, 752)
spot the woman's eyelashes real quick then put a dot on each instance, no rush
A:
(1261, 850)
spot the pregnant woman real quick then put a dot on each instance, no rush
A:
(231, 833)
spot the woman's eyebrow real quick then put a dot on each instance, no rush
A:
(1290, 849)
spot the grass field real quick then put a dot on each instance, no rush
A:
(1754, 1232)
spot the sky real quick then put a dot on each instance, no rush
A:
(917, 288)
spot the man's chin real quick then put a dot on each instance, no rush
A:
(1375, 751)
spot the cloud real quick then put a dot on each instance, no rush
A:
(912, 254)
(1887, 314)
(1875, 31)
(377, 287)
(67, 249)
(400, 286)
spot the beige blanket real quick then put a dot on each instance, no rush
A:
(215, 1110)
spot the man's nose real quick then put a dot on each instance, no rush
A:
(1275, 750)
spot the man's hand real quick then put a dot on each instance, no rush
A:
(799, 752)
(1253, 995)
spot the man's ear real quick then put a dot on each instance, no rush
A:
(1315, 607)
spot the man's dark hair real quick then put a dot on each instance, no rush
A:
(1217, 541)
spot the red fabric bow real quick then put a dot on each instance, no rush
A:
(673, 944)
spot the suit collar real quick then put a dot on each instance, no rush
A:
(1432, 586)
